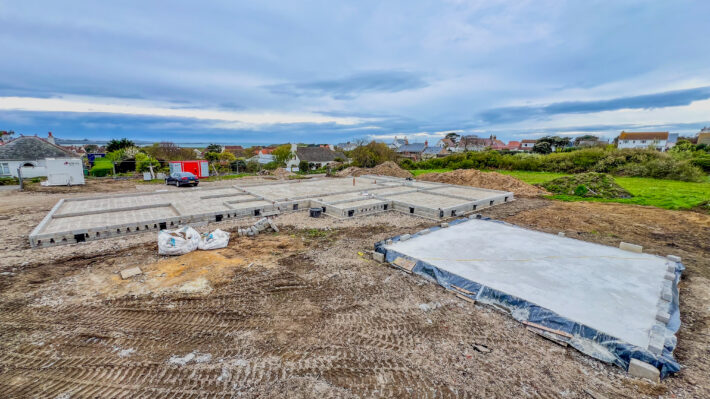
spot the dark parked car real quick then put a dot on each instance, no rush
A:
(182, 179)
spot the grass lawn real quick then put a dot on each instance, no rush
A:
(668, 194)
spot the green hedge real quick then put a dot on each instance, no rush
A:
(626, 162)
(102, 167)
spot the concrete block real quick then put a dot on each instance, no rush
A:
(405, 237)
(388, 242)
(663, 317)
(444, 225)
(128, 273)
(378, 256)
(670, 268)
(561, 234)
(673, 258)
(669, 276)
(425, 231)
(657, 339)
(631, 247)
(273, 226)
(667, 292)
(641, 369)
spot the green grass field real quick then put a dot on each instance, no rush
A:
(668, 194)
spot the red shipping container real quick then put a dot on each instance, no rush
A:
(198, 168)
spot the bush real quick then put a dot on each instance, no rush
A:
(303, 166)
(102, 167)
(595, 185)
(628, 162)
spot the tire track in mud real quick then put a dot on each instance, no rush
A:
(258, 331)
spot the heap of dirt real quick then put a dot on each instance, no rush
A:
(281, 173)
(594, 185)
(388, 168)
(490, 180)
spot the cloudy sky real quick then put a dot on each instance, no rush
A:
(330, 71)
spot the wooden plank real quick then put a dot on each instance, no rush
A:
(465, 298)
(465, 291)
(548, 335)
(548, 329)
(406, 264)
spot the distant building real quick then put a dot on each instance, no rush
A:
(474, 143)
(513, 146)
(445, 143)
(672, 140)
(704, 136)
(657, 140)
(30, 153)
(318, 156)
(397, 143)
(346, 146)
(527, 145)
(434, 152)
(237, 150)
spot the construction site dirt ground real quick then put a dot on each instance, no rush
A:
(305, 313)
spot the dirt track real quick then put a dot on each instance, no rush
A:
(302, 314)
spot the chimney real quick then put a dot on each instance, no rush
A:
(293, 147)
(50, 138)
(426, 143)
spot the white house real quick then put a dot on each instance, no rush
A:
(657, 140)
(318, 156)
(527, 145)
(30, 153)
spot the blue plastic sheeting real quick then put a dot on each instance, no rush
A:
(585, 339)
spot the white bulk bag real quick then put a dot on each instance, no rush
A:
(178, 242)
(214, 240)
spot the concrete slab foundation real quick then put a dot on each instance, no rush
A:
(84, 219)
(595, 293)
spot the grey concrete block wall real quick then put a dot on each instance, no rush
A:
(93, 218)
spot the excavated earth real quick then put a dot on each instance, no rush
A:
(304, 313)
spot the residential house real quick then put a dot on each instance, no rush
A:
(412, 151)
(474, 143)
(433, 152)
(672, 140)
(30, 153)
(445, 143)
(527, 145)
(512, 146)
(657, 140)
(704, 136)
(318, 156)
(397, 143)
(236, 150)
(346, 146)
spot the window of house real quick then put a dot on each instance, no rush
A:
(4, 168)
(643, 141)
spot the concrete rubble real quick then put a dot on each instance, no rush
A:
(264, 224)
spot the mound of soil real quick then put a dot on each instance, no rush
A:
(593, 185)
(490, 180)
(388, 168)
(281, 173)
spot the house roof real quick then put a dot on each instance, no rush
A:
(513, 143)
(416, 147)
(431, 150)
(447, 142)
(233, 147)
(30, 148)
(317, 154)
(528, 141)
(643, 136)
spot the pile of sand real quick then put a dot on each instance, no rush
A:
(388, 168)
(491, 180)
(281, 173)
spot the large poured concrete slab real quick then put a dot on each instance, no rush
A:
(611, 290)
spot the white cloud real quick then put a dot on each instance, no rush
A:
(144, 108)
